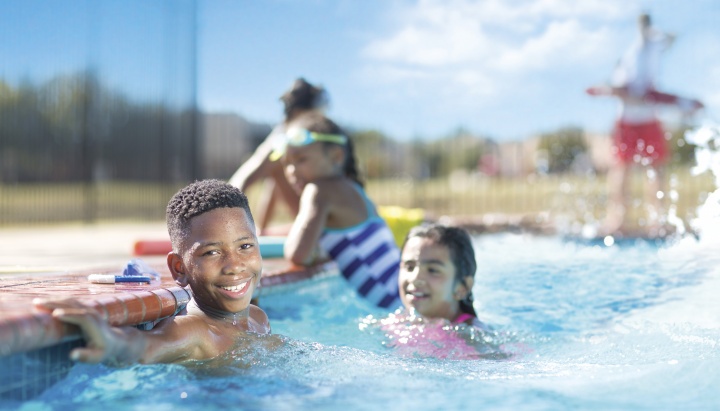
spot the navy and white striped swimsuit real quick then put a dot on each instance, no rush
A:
(367, 256)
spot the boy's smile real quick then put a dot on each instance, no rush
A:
(222, 259)
(237, 291)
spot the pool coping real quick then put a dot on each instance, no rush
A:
(25, 328)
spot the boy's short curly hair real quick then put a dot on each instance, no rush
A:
(198, 198)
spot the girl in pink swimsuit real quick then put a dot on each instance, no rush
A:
(437, 269)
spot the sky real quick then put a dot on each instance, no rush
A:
(420, 69)
(505, 69)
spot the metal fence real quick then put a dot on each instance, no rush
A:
(100, 121)
(114, 134)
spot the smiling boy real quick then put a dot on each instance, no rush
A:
(216, 253)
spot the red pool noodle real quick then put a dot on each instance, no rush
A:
(152, 247)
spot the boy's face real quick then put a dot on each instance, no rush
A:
(220, 260)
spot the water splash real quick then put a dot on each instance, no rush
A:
(706, 138)
(697, 305)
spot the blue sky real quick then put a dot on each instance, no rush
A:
(502, 68)
(133, 46)
(505, 69)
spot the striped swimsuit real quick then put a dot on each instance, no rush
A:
(367, 256)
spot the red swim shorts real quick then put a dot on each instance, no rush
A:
(640, 143)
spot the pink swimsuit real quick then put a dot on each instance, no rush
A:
(436, 338)
(463, 317)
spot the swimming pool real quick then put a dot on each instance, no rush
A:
(632, 326)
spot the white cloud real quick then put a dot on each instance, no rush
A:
(495, 64)
(561, 43)
(603, 9)
(433, 39)
(477, 45)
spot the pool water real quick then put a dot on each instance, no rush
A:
(632, 326)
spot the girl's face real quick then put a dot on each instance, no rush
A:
(427, 280)
(311, 162)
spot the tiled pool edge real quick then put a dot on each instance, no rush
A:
(26, 375)
(34, 347)
(39, 330)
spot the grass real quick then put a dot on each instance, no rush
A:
(585, 197)
(571, 198)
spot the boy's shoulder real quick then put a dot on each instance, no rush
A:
(186, 319)
(259, 320)
(191, 321)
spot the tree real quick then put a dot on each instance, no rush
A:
(562, 148)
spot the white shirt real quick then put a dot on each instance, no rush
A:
(638, 67)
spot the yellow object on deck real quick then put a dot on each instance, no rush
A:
(401, 220)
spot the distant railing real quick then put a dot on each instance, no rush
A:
(569, 197)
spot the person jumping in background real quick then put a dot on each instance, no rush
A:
(301, 98)
(638, 135)
(336, 219)
(216, 253)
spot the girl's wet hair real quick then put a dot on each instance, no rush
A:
(198, 198)
(462, 254)
(303, 96)
(319, 123)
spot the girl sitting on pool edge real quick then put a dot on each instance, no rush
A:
(336, 219)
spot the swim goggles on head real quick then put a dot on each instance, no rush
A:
(298, 137)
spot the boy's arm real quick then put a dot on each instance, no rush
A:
(171, 341)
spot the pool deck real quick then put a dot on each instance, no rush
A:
(54, 262)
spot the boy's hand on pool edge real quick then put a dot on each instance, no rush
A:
(98, 334)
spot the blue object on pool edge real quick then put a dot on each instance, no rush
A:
(112, 279)
(139, 268)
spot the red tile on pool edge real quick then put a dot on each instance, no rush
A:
(54, 331)
(116, 309)
(29, 334)
(168, 302)
(135, 308)
(153, 305)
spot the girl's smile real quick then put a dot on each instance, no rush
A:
(427, 279)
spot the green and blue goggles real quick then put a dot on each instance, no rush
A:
(298, 137)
